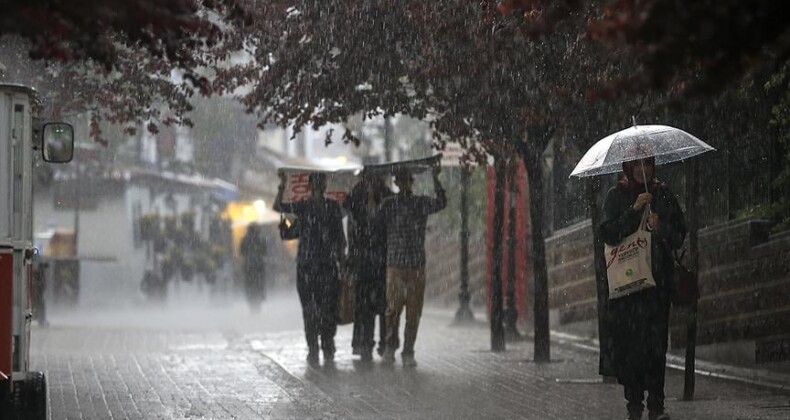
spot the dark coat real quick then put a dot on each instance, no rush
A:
(321, 235)
(253, 249)
(367, 239)
(638, 323)
(368, 259)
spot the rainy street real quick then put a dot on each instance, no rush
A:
(379, 209)
(221, 362)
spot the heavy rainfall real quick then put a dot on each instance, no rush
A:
(489, 209)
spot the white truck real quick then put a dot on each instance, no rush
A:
(23, 394)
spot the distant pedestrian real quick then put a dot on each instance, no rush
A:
(405, 216)
(320, 254)
(368, 261)
(253, 250)
(639, 322)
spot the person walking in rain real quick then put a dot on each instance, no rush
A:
(368, 260)
(318, 260)
(253, 250)
(638, 322)
(404, 216)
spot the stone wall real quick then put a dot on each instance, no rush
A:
(744, 283)
(443, 268)
(569, 260)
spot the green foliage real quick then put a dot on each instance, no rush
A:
(780, 112)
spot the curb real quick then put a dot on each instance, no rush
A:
(755, 377)
(772, 381)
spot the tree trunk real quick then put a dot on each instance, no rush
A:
(532, 161)
(497, 325)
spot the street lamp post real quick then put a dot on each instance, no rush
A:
(511, 312)
(464, 313)
(692, 213)
(497, 315)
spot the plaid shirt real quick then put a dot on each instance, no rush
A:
(405, 218)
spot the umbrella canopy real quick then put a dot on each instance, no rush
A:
(667, 144)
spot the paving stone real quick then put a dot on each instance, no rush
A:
(247, 368)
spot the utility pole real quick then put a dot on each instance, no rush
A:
(388, 140)
(301, 143)
(78, 180)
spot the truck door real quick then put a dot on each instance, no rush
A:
(16, 223)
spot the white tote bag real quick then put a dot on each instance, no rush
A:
(628, 265)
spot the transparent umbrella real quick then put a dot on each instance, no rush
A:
(667, 144)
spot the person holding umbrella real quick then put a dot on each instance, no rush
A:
(639, 322)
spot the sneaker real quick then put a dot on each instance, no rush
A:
(408, 361)
(659, 416)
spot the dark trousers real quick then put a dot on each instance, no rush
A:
(369, 303)
(653, 384)
(317, 285)
(255, 283)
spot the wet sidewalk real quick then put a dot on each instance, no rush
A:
(458, 377)
(227, 364)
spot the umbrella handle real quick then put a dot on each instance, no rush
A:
(647, 207)
(643, 221)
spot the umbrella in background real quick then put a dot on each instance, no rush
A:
(667, 144)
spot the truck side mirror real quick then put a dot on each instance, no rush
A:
(58, 142)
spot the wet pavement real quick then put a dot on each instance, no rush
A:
(215, 360)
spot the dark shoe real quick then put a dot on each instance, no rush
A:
(408, 361)
(312, 358)
(329, 355)
(634, 416)
(658, 416)
(388, 358)
(366, 355)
